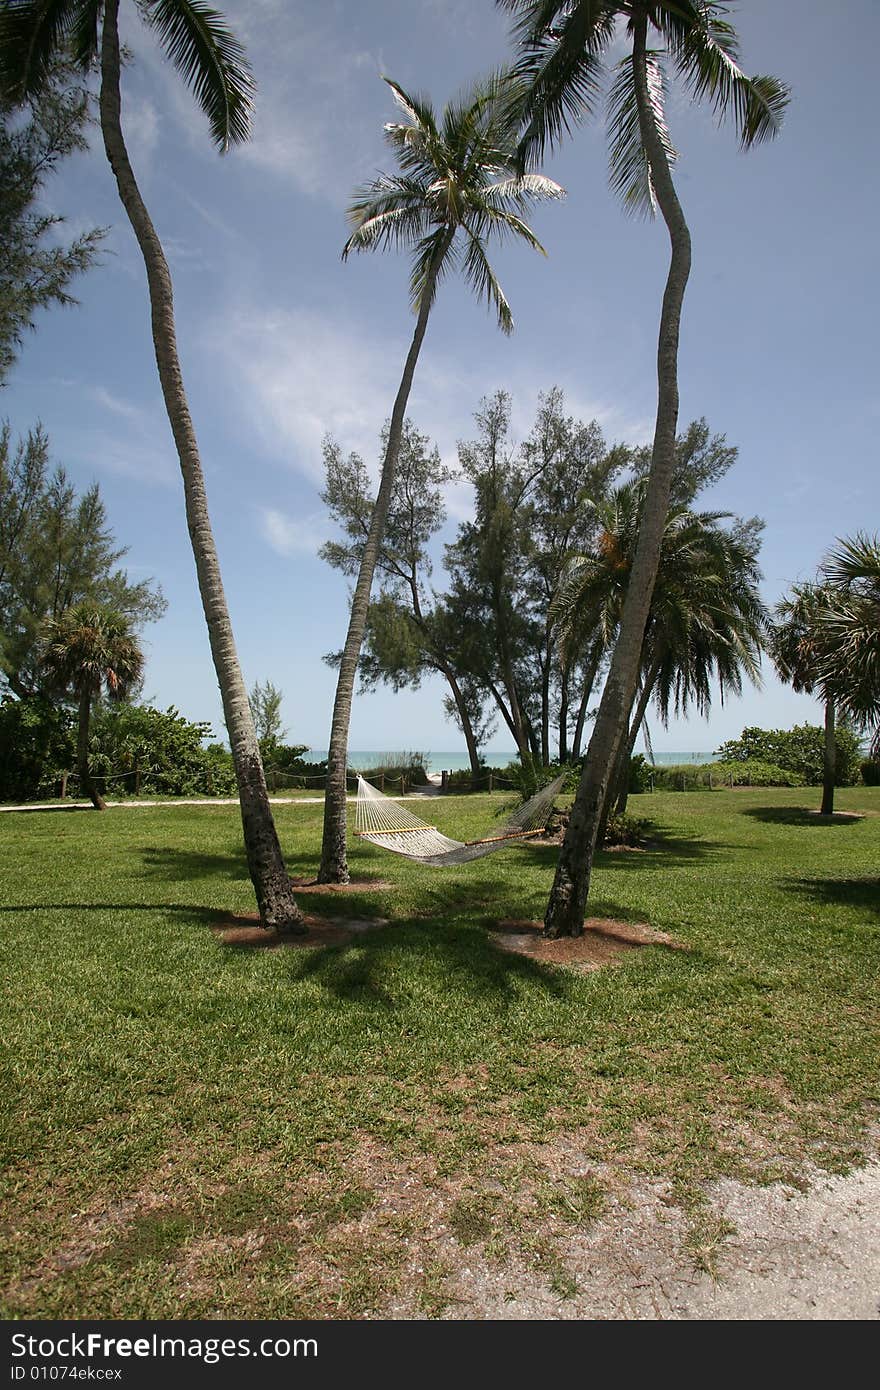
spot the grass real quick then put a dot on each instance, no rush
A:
(192, 1130)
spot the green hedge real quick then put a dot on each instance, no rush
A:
(696, 776)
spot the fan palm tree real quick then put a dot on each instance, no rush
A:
(851, 659)
(456, 189)
(706, 621)
(213, 64)
(563, 48)
(800, 640)
(91, 649)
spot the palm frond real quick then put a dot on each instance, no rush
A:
(856, 558)
(629, 167)
(211, 61)
(482, 279)
(560, 70)
(524, 189)
(704, 47)
(32, 34)
(394, 227)
(424, 278)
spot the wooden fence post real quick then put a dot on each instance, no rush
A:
(491, 782)
(444, 781)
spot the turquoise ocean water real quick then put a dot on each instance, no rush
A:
(453, 761)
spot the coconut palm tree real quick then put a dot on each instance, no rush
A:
(563, 49)
(457, 188)
(800, 640)
(213, 64)
(91, 649)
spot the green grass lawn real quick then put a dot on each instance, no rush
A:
(192, 1129)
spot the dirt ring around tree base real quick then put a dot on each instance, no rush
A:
(243, 931)
(364, 885)
(604, 941)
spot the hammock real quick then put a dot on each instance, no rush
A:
(390, 826)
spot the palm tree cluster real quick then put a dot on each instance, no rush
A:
(826, 640)
(462, 181)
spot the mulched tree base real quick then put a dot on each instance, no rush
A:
(364, 885)
(603, 942)
(244, 931)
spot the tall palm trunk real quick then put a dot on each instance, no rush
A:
(334, 863)
(829, 761)
(86, 781)
(265, 863)
(568, 897)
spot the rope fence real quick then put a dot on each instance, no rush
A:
(134, 778)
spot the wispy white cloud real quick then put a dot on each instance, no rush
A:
(301, 375)
(116, 405)
(289, 536)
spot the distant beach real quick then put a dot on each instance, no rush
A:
(454, 761)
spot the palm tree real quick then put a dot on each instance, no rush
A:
(457, 188)
(213, 64)
(563, 45)
(706, 621)
(851, 659)
(88, 649)
(800, 639)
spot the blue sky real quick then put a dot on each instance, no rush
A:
(281, 342)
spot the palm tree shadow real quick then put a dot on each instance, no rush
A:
(799, 815)
(660, 851)
(175, 863)
(860, 893)
(463, 960)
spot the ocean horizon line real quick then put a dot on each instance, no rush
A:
(454, 760)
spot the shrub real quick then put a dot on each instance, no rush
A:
(870, 770)
(639, 775)
(626, 830)
(159, 752)
(36, 745)
(799, 750)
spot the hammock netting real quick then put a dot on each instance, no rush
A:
(391, 826)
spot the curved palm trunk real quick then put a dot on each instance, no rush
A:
(265, 863)
(829, 761)
(87, 785)
(571, 885)
(334, 863)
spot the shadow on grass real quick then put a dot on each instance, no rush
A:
(799, 815)
(860, 893)
(173, 862)
(662, 851)
(464, 962)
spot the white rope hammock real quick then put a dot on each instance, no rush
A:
(390, 826)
